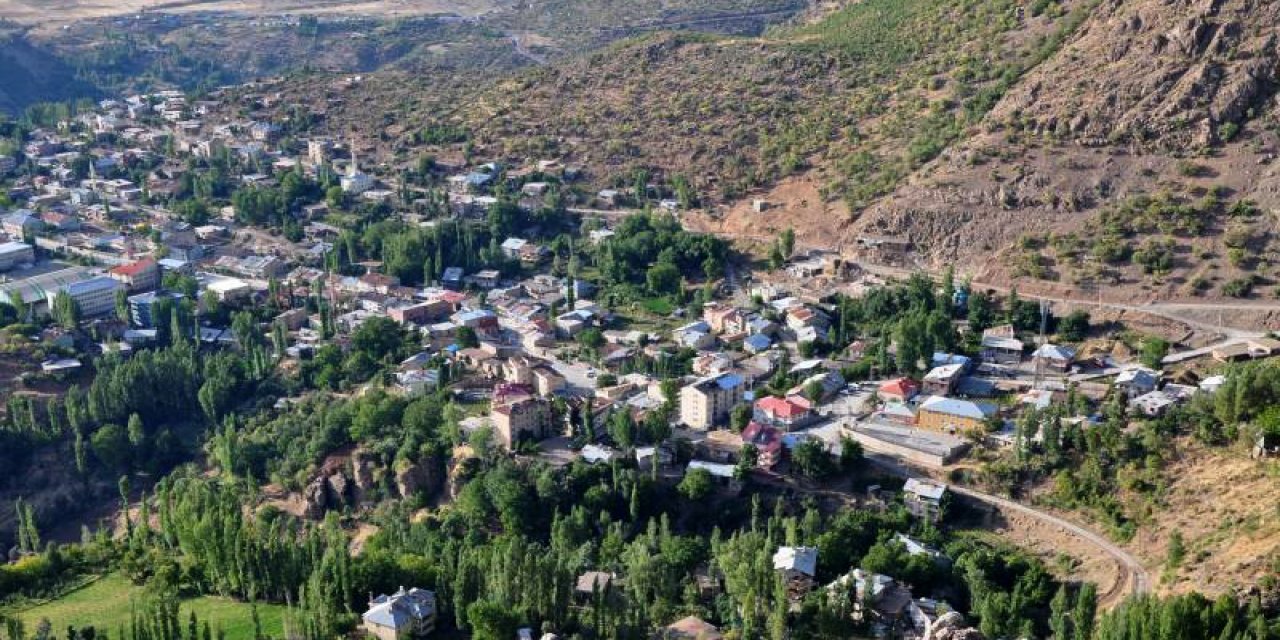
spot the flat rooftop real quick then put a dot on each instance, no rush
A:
(923, 440)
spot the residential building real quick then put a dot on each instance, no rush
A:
(711, 362)
(486, 278)
(646, 457)
(13, 254)
(593, 582)
(421, 312)
(417, 382)
(525, 419)
(403, 614)
(1152, 404)
(21, 223)
(451, 278)
(1054, 357)
(226, 289)
(784, 413)
(94, 297)
(723, 318)
(942, 380)
(951, 415)
(138, 276)
(757, 343)
(1211, 384)
(898, 413)
(547, 382)
(825, 384)
(318, 150)
(263, 267)
(725, 475)
(883, 603)
(483, 321)
(695, 335)
(925, 499)
(898, 390)
(1001, 348)
(941, 359)
(511, 247)
(707, 401)
(798, 566)
(767, 441)
(1136, 382)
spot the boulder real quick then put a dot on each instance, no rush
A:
(316, 497)
(339, 488)
(421, 476)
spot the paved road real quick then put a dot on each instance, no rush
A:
(1133, 576)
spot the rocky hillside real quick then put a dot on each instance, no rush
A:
(1122, 147)
(1136, 160)
(859, 97)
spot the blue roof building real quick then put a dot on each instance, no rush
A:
(757, 343)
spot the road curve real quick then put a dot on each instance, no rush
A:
(1133, 576)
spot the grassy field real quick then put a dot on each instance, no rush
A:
(106, 604)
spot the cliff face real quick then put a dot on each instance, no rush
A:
(1168, 72)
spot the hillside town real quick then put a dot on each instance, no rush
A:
(155, 218)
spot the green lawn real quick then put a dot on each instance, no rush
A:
(106, 604)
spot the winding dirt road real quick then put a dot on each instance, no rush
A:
(1132, 576)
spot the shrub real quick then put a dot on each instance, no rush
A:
(1239, 288)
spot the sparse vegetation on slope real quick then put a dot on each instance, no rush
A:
(866, 95)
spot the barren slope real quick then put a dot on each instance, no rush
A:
(1168, 99)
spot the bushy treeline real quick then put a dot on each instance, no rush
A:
(1186, 617)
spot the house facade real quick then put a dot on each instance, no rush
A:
(525, 419)
(950, 415)
(708, 400)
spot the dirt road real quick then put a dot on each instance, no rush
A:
(1132, 577)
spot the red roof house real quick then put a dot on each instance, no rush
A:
(782, 412)
(899, 389)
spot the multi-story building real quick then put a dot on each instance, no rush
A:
(318, 150)
(21, 223)
(13, 254)
(708, 400)
(925, 499)
(142, 307)
(785, 413)
(142, 275)
(528, 418)
(94, 297)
